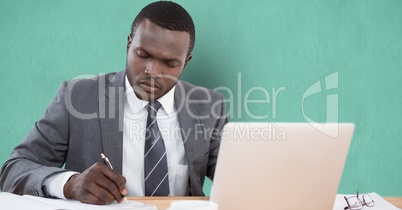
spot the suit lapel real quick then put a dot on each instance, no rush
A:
(192, 131)
(111, 107)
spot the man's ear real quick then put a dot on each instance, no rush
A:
(129, 40)
(187, 60)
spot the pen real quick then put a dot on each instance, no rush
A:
(107, 162)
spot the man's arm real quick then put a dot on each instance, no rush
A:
(41, 154)
(220, 113)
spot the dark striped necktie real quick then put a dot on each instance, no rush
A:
(156, 175)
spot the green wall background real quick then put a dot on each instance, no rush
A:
(240, 45)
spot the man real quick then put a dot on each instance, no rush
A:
(114, 114)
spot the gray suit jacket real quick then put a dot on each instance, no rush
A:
(86, 118)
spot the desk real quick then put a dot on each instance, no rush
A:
(396, 201)
(163, 202)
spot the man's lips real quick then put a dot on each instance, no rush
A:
(149, 86)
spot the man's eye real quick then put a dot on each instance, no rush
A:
(142, 54)
(172, 63)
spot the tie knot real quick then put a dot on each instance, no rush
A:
(153, 107)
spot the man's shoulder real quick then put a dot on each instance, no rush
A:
(95, 83)
(194, 91)
(97, 80)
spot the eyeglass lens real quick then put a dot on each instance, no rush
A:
(355, 203)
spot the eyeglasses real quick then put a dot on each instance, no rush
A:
(355, 203)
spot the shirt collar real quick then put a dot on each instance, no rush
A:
(137, 104)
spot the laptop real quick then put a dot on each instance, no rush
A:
(264, 166)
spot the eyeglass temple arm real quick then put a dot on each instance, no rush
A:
(346, 207)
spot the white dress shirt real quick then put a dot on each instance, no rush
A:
(135, 117)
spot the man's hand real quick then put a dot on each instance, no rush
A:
(97, 185)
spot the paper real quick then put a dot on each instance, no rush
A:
(17, 202)
(380, 203)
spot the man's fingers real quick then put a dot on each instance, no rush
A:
(113, 182)
(96, 185)
(111, 188)
(103, 195)
(116, 178)
(88, 197)
(124, 192)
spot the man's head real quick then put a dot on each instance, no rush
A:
(158, 48)
(168, 15)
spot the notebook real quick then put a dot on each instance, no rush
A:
(264, 166)
(11, 201)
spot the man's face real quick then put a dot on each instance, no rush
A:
(156, 57)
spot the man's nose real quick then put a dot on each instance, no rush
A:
(154, 68)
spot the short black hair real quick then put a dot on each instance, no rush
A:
(168, 15)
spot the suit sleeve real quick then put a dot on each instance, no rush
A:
(216, 137)
(42, 152)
